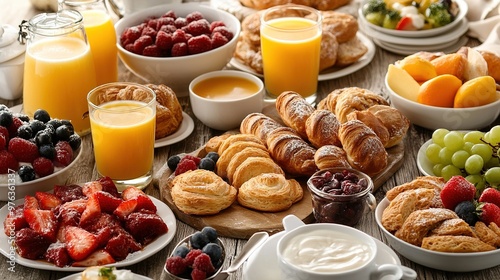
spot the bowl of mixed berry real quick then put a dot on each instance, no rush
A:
(35, 153)
(198, 256)
(340, 195)
(174, 43)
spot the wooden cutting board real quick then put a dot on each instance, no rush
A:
(240, 222)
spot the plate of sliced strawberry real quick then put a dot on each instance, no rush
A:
(90, 224)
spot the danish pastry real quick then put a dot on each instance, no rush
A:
(226, 156)
(430, 182)
(398, 210)
(252, 167)
(241, 156)
(237, 138)
(201, 192)
(486, 234)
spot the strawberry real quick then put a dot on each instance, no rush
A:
(107, 202)
(79, 242)
(125, 208)
(109, 186)
(23, 150)
(43, 222)
(70, 212)
(57, 254)
(405, 23)
(489, 213)
(43, 166)
(143, 201)
(47, 201)
(490, 195)
(131, 193)
(68, 192)
(30, 244)
(121, 245)
(97, 258)
(92, 211)
(30, 202)
(456, 190)
(15, 220)
(90, 188)
(7, 162)
(145, 227)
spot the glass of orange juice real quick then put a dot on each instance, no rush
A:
(59, 69)
(290, 43)
(122, 120)
(101, 36)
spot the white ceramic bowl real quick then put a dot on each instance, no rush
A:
(11, 78)
(432, 117)
(226, 114)
(455, 262)
(177, 72)
(11, 191)
(463, 8)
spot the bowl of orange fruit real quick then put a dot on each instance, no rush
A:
(452, 91)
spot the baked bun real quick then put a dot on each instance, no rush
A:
(254, 166)
(201, 192)
(269, 193)
(317, 4)
(330, 156)
(168, 111)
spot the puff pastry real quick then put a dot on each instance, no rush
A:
(237, 138)
(201, 192)
(252, 167)
(294, 110)
(241, 156)
(226, 156)
(455, 244)
(395, 122)
(330, 156)
(322, 128)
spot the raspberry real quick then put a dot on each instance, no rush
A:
(176, 265)
(151, 50)
(179, 36)
(23, 150)
(5, 132)
(14, 126)
(43, 166)
(191, 256)
(164, 21)
(184, 166)
(149, 31)
(203, 262)
(164, 40)
(180, 22)
(63, 145)
(215, 24)
(218, 40)
(199, 44)
(130, 47)
(193, 158)
(170, 29)
(130, 35)
(7, 162)
(63, 157)
(198, 27)
(3, 142)
(197, 274)
(170, 14)
(179, 49)
(142, 43)
(153, 22)
(194, 16)
(224, 31)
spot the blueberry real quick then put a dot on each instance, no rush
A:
(6, 118)
(466, 210)
(198, 240)
(214, 251)
(36, 126)
(22, 117)
(69, 125)
(47, 151)
(55, 123)
(41, 115)
(181, 251)
(63, 133)
(75, 141)
(207, 164)
(43, 138)
(211, 233)
(173, 161)
(25, 132)
(27, 173)
(213, 155)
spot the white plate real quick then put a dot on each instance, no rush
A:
(162, 210)
(263, 263)
(452, 47)
(185, 129)
(452, 34)
(463, 8)
(76, 276)
(424, 165)
(332, 72)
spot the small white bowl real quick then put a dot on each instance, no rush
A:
(432, 117)
(226, 114)
(455, 262)
(11, 78)
(177, 72)
(11, 190)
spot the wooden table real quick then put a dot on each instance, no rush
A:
(370, 77)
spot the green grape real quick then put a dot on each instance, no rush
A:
(459, 157)
(438, 136)
(474, 164)
(492, 176)
(454, 140)
(478, 181)
(445, 155)
(467, 146)
(482, 150)
(474, 136)
(432, 153)
(437, 168)
(494, 135)
(487, 137)
(449, 171)
(493, 162)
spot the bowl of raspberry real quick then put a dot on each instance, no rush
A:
(174, 43)
(35, 153)
(340, 195)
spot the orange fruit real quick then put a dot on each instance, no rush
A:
(439, 91)
(453, 64)
(476, 92)
(419, 68)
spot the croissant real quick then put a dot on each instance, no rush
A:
(372, 122)
(363, 147)
(322, 129)
(330, 156)
(259, 125)
(294, 110)
(396, 123)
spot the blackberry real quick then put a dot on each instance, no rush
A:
(466, 210)
(207, 164)
(210, 232)
(214, 251)
(47, 151)
(41, 115)
(63, 133)
(75, 141)
(173, 161)
(36, 126)
(6, 118)
(27, 173)
(182, 251)
(25, 131)
(213, 155)
(198, 240)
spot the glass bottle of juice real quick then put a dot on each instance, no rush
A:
(101, 36)
(59, 69)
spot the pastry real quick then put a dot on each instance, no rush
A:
(322, 129)
(398, 210)
(317, 4)
(294, 111)
(431, 182)
(330, 156)
(365, 152)
(269, 193)
(241, 156)
(486, 234)
(214, 143)
(237, 138)
(252, 167)
(394, 121)
(342, 25)
(453, 227)
(352, 99)
(259, 125)
(350, 52)
(226, 156)
(201, 192)
(455, 244)
(372, 122)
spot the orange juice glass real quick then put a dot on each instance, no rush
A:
(101, 36)
(59, 70)
(123, 132)
(290, 45)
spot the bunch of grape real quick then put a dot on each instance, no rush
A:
(474, 155)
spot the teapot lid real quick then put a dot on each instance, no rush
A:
(10, 47)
